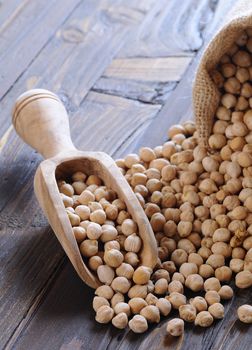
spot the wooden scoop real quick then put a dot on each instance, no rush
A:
(41, 120)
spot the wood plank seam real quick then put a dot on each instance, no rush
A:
(104, 92)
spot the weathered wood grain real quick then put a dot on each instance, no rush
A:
(171, 29)
(79, 52)
(23, 38)
(9, 10)
(150, 92)
(148, 69)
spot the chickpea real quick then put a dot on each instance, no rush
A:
(203, 319)
(216, 310)
(175, 327)
(243, 279)
(226, 292)
(199, 303)
(223, 273)
(245, 313)
(212, 284)
(206, 271)
(187, 313)
(194, 282)
(212, 297)
(176, 299)
(179, 256)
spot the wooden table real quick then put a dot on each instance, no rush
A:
(124, 70)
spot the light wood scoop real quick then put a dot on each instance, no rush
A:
(41, 120)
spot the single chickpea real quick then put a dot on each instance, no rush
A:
(89, 247)
(195, 258)
(131, 258)
(206, 271)
(199, 303)
(137, 304)
(94, 262)
(226, 292)
(138, 324)
(223, 273)
(176, 299)
(142, 275)
(169, 266)
(113, 257)
(228, 101)
(236, 265)
(176, 286)
(138, 291)
(243, 279)
(128, 227)
(194, 282)
(104, 314)
(187, 312)
(98, 302)
(147, 154)
(151, 299)
(216, 310)
(186, 245)
(157, 222)
(222, 248)
(203, 319)
(164, 306)
(175, 327)
(184, 228)
(216, 260)
(245, 313)
(217, 141)
(212, 284)
(105, 274)
(187, 269)
(179, 256)
(212, 297)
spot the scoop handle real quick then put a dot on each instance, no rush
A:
(41, 120)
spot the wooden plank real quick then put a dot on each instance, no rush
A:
(150, 92)
(79, 52)
(111, 121)
(148, 69)
(171, 29)
(29, 252)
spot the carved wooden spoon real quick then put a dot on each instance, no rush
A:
(41, 120)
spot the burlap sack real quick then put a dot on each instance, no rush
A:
(206, 96)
